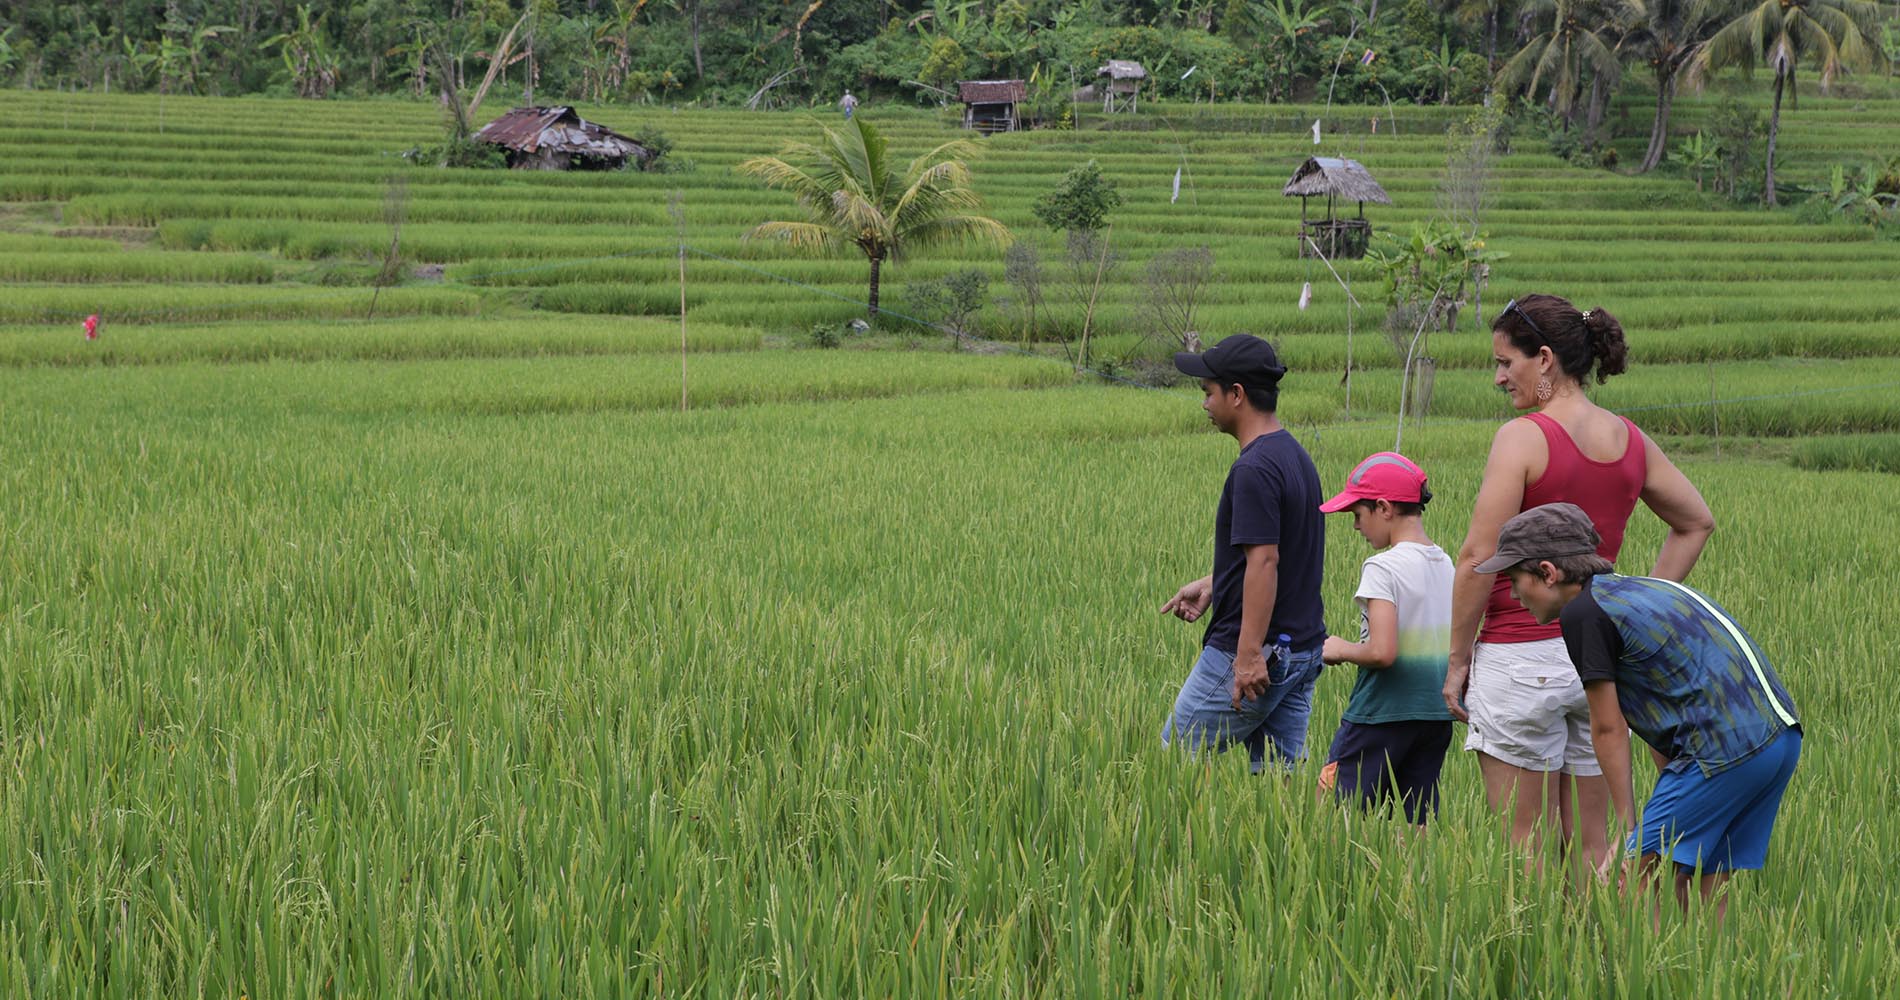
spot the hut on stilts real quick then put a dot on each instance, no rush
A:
(1119, 82)
(1338, 180)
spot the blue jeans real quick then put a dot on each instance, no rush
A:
(1204, 714)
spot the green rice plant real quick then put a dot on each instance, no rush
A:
(399, 673)
(87, 266)
(12, 243)
(526, 385)
(401, 339)
(1859, 452)
(42, 304)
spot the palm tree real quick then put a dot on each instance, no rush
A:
(1837, 34)
(1561, 58)
(851, 192)
(1666, 34)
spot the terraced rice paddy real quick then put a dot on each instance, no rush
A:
(439, 654)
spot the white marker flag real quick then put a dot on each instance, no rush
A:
(1315, 131)
(1177, 187)
(1306, 295)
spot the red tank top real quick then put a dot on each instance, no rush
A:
(1607, 491)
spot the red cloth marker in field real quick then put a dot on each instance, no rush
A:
(92, 327)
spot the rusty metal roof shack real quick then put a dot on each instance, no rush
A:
(1336, 179)
(1119, 82)
(991, 105)
(557, 138)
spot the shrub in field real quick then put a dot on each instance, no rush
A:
(1172, 288)
(1735, 130)
(1430, 275)
(950, 302)
(1022, 268)
(458, 151)
(1090, 266)
(659, 148)
(1080, 202)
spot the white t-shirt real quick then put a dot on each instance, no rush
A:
(1417, 580)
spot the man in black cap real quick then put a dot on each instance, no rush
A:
(1253, 683)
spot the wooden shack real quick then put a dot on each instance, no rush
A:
(556, 138)
(1338, 180)
(992, 105)
(1119, 83)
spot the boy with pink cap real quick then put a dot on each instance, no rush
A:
(1396, 727)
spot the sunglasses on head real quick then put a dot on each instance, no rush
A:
(1512, 307)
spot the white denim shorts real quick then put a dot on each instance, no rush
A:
(1528, 708)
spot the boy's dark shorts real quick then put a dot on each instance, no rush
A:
(1369, 761)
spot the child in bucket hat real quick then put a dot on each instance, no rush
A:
(1396, 728)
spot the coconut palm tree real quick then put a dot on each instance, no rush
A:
(1561, 58)
(852, 193)
(1666, 35)
(1835, 34)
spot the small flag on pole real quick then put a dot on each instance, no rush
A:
(1315, 131)
(92, 327)
(1306, 295)
(1177, 187)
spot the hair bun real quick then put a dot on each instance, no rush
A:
(1607, 345)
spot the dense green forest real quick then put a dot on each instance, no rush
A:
(1567, 56)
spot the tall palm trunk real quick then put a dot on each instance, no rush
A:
(1599, 103)
(1659, 130)
(1491, 43)
(1774, 128)
(876, 262)
(699, 61)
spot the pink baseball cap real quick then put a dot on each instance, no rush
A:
(1387, 475)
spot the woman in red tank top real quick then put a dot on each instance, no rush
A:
(1512, 680)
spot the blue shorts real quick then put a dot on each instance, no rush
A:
(1204, 715)
(1719, 823)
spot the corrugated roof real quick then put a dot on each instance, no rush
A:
(1328, 175)
(991, 91)
(1122, 69)
(528, 130)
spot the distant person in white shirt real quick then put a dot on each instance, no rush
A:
(1396, 727)
(848, 104)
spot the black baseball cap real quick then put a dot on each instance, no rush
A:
(1242, 358)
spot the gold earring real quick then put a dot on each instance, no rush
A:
(1544, 389)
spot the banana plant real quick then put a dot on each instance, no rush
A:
(8, 57)
(308, 58)
(1698, 153)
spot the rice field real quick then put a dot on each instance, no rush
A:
(439, 654)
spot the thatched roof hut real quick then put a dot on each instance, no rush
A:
(1118, 82)
(990, 105)
(1336, 179)
(556, 138)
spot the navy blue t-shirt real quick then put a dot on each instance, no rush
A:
(1272, 497)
